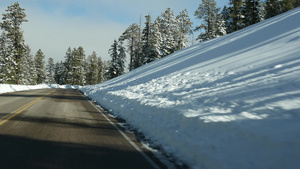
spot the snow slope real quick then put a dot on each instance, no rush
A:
(231, 102)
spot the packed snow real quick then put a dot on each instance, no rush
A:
(7, 88)
(231, 102)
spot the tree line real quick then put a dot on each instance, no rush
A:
(144, 44)
(19, 66)
(76, 69)
(168, 33)
(157, 39)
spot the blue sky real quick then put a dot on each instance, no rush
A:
(55, 25)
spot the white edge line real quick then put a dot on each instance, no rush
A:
(126, 137)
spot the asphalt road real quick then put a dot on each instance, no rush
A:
(60, 128)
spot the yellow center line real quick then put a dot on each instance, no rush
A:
(21, 109)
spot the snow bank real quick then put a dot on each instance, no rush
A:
(5, 88)
(231, 102)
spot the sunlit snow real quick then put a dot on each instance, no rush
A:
(231, 102)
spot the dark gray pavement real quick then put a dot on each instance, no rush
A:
(59, 128)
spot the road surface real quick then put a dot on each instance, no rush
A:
(60, 128)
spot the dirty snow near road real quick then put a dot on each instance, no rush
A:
(5, 88)
(231, 102)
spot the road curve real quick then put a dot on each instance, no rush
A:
(60, 128)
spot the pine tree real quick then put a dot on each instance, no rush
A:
(68, 72)
(155, 41)
(184, 28)
(40, 66)
(12, 20)
(138, 58)
(29, 74)
(297, 4)
(77, 69)
(289, 4)
(276, 7)
(252, 12)
(113, 68)
(236, 14)
(146, 39)
(2, 57)
(8, 69)
(92, 76)
(121, 59)
(131, 34)
(227, 19)
(213, 22)
(270, 8)
(117, 64)
(168, 28)
(102, 70)
(24, 77)
(50, 71)
(5, 59)
(59, 73)
(32, 68)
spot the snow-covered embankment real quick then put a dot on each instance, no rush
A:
(231, 102)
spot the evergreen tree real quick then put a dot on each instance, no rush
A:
(8, 70)
(272, 8)
(29, 74)
(74, 65)
(40, 66)
(117, 64)
(138, 58)
(131, 34)
(12, 20)
(113, 68)
(92, 76)
(184, 28)
(297, 4)
(68, 72)
(252, 12)
(287, 5)
(24, 77)
(227, 19)
(2, 57)
(276, 7)
(213, 22)
(236, 14)
(60, 73)
(101, 70)
(146, 38)
(121, 59)
(32, 68)
(168, 28)
(6, 61)
(50, 68)
(78, 60)
(155, 41)
(106, 66)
